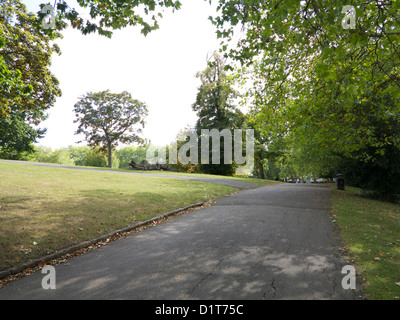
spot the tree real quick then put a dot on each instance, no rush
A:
(108, 15)
(27, 87)
(314, 79)
(106, 119)
(310, 74)
(215, 110)
(25, 77)
(17, 134)
(375, 168)
(11, 84)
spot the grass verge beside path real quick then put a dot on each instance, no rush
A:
(370, 230)
(44, 209)
(261, 182)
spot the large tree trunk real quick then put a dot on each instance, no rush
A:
(261, 170)
(109, 155)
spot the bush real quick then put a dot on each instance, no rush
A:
(378, 178)
(78, 154)
(376, 168)
(187, 168)
(47, 155)
(97, 158)
(127, 154)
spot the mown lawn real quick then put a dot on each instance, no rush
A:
(371, 232)
(44, 209)
(261, 182)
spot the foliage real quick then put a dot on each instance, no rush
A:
(214, 99)
(10, 82)
(108, 15)
(96, 158)
(180, 167)
(376, 169)
(17, 135)
(271, 170)
(25, 77)
(127, 154)
(107, 119)
(314, 83)
(87, 156)
(215, 110)
(47, 155)
(78, 154)
(27, 87)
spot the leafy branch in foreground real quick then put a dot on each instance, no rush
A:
(105, 16)
(310, 79)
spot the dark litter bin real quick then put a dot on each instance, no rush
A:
(339, 182)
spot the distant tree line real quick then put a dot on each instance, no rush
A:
(87, 156)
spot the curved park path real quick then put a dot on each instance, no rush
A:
(273, 242)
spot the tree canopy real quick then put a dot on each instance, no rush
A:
(107, 119)
(214, 103)
(215, 109)
(314, 79)
(319, 74)
(27, 86)
(109, 15)
(25, 77)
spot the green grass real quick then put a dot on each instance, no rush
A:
(371, 231)
(44, 209)
(261, 182)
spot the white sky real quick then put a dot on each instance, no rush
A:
(158, 69)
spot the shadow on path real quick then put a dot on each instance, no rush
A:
(274, 242)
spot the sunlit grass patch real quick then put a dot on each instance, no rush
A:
(371, 231)
(44, 209)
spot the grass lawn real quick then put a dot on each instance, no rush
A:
(371, 231)
(43, 209)
(261, 182)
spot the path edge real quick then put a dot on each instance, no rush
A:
(62, 252)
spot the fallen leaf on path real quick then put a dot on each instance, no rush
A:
(42, 263)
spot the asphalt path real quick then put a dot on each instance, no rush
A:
(273, 242)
